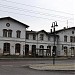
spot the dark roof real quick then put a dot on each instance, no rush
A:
(31, 32)
(9, 18)
(63, 30)
(42, 31)
(36, 32)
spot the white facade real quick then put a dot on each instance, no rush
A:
(9, 36)
(47, 43)
(15, 40)
(63, 47)
(69, 43)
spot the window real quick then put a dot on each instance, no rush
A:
(48, 47)
(34, 37)
(18, 34)
(71, 38)
(65, 51)
(65, 38)
(27, 36)
(48, 52)
(6, 47)
(7, 33)
(4, 32)
(74, 38)
(41, 47)
(7, 24)
(41, 36)
(17, 48)
(72, 32)
(41, 51)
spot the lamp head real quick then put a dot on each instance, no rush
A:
(56, 23)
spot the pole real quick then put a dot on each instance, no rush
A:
(54, 47)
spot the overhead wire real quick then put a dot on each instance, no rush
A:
(36, 12)
(30, 15)
(37, 7)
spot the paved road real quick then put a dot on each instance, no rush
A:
(15, 67)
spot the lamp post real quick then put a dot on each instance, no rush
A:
(54, 24)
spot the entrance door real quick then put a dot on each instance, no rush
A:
(27, 50)
(17, 48)
(33, 50)
(6, 48)
(48, 52)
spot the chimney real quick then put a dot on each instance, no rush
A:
(64, 27)
(51, 30)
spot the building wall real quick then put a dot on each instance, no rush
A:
(68, 44)
(14, 26)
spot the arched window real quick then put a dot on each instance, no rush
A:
(7, 33)
(65, 51)
(41, 47)
(41, 50)
(18, 33)
(17, 48)
(48, 52)
(4, 32)
(6, 48)
(65, 38)
(26, 49)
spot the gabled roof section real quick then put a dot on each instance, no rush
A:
(31, 32)
(42, 31)
(9, 18)
(63, 30)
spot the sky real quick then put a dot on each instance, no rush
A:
(40, 14)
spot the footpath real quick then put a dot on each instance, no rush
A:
(58, 67)
(43, 66)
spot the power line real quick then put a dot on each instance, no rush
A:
(31, 16)
(36, 12)
(37, 7)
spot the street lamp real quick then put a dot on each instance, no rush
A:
(54, 24)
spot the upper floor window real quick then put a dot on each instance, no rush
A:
(72, 32)
(18, 33)
(41, 36)
(4, 32)
(72, 38)
(7, 33)
(34, 37)
(27, 36)
(65, 38)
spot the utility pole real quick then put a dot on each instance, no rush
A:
(54, 24)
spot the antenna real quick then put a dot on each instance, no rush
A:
(67, 23)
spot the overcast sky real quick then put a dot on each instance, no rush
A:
(39, 14)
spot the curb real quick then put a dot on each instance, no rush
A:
(48, 67)
(33, 58)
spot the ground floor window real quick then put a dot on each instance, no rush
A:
(72, 51)
(26, 50)
(41, 50)
(48, 51)
(33, 50)
(6, 48)
(65, 51)
(17, 48)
